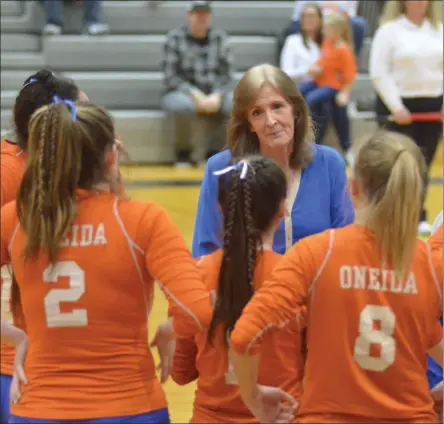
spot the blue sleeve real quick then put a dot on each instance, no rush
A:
(341, 210)
(208, 224)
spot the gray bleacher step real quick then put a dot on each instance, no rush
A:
(13, 80)
(138, 17)
(139, 53)
(143, 133)
(145, 52)
(11, 8)
(8, 99)
(20, 43)
(136, 90)
(364, 56)
(147, 140)
(23, 61)
(6, 119)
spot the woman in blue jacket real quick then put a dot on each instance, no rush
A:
(270, 117)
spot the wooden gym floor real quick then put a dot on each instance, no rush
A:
(177, 190)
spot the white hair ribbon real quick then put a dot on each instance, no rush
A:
(243, 164)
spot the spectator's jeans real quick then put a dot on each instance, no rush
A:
(321, 101)
(206, 132)
(359, 28)
(54, 11)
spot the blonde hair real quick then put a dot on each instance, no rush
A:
(342, 23)
(390, 168)
(241, 141)
(63, 155)
(393, 9)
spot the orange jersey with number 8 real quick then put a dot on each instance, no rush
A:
(86, 315)
(368, 332)
(217, 396)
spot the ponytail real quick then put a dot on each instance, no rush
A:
(66, 152)
(250, 195)
(45, 199)
(236, 277)
(391, 169)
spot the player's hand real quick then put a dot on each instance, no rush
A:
(165, 341)
(19, 376)
(402, 117)
(437, 396)
(271, 404)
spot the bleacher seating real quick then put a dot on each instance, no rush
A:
(122, 71)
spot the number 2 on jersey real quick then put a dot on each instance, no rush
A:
(76, 277)
(382, 337)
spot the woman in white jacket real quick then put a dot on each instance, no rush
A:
(302, 50)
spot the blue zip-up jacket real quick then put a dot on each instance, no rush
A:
(323, 201)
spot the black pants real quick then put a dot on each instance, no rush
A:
(425, 134)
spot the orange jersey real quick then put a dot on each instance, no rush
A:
(368, 332)
(338, 66)
(217, 396)
(436, 240)
(87, 315)
(13, 163)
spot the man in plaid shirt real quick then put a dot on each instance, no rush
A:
(198, 78)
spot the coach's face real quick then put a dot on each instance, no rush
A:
(271, 118)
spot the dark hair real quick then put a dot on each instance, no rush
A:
(39, 90)
(248, 207)
(319, 36)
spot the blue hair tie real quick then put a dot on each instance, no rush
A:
(31, 81)
(71, 105)
(243, 165)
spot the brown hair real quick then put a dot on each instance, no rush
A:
(390, 168)
(319, 36)
(246, 217)
(65, 153)
(242, 141)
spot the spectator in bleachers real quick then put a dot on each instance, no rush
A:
(91, 20)
(406, 67)
(198, 79)
(302, 50)
(333, 75)
(347, 7)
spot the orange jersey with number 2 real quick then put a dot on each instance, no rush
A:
(86, 315)
(368, 332)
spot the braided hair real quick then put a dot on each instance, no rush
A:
(250, 199)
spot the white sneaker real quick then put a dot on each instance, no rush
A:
(424, 228)
(182, 165)
(51, 29)
(98, 29)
